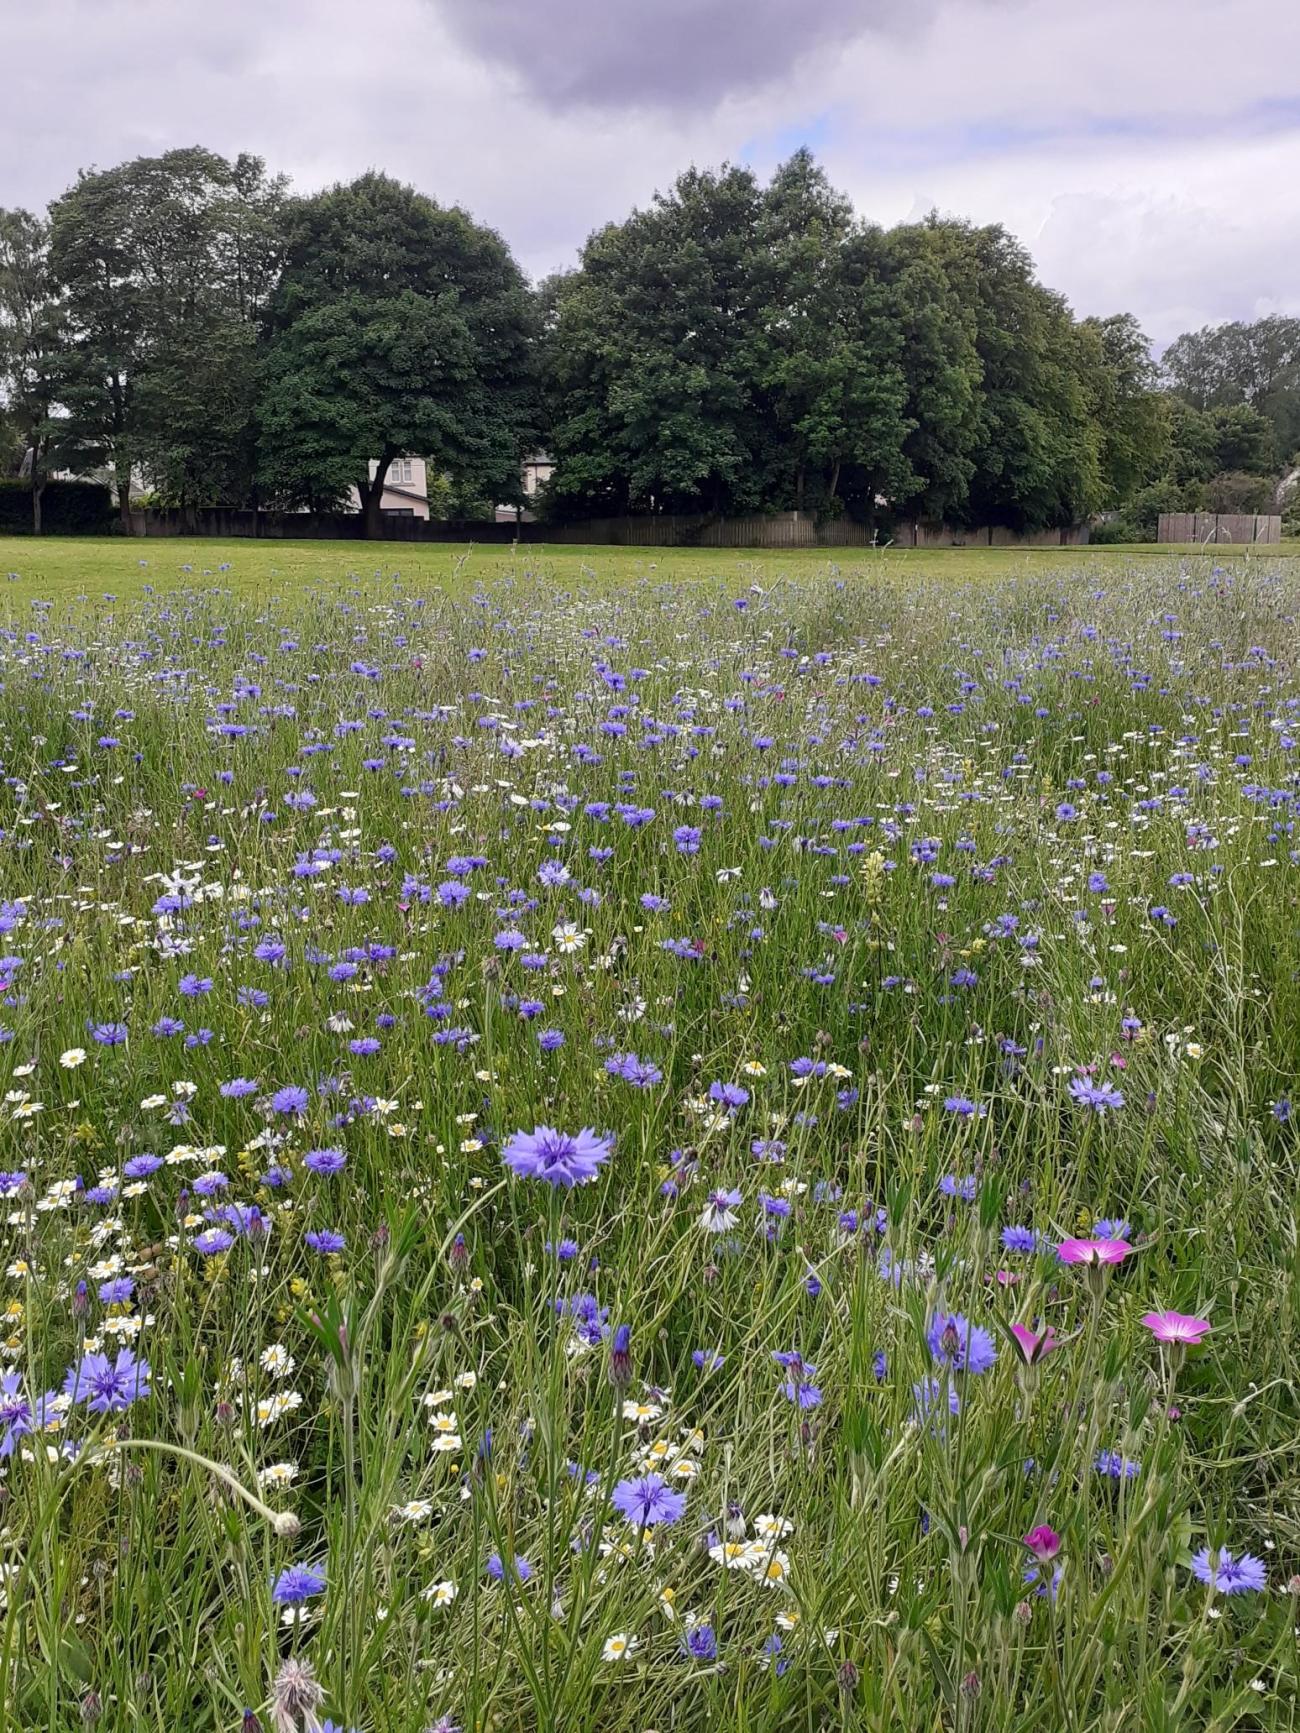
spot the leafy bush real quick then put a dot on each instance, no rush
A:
(1237, 491)
(68, 508)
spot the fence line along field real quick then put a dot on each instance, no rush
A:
(586, 1149)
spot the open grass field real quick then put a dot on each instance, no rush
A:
(622, 1141)
(81, 565)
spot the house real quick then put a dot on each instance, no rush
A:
(406, 488)
(534, 473)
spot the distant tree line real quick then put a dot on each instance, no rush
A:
(735, 347)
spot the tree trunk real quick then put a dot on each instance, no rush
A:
(124, 498)
(372, 494)
(835, 477)
(798, 489)
(38, 488)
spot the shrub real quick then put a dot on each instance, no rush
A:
(68, 508)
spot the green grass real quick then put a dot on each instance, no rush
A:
(933, 838)
(73, 565)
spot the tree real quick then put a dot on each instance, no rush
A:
(830, 348)
(1132, 416)
(397, 326)
(30, 346)
(943, 373)
(167, 264)
(652, 357)
(1257, 364)
(1035, 450)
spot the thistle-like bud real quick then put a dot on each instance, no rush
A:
(620, 1358)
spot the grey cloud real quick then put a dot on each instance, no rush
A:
(666, 54)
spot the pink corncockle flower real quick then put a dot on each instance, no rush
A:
(1093, 1251)
(1043, 1542)
(1034, 1345)
(1177, 1328)
(1007, 1278)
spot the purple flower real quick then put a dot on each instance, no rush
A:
(962, 1106)
(108, 1034)
(292, 1099)
(1017, 1239)
(1098, 1096)
(1230, 1576)
(108, 1386)
(700, 1643)
(729, 1095)
(325, 1161)
(560, 1158)
(296, 1584)
(326, 1241)
(954, 1341)
(648, 1501)
(15, 1412)
(238, 1087)
(631, 1068)
(965, 1187)
(498, 1570)
(213, 1241)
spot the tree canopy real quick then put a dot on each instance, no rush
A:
(397, 326)
(739, 345)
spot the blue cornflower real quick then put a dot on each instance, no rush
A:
(1230, 1575)
(560, 1158)
(238, 1087)
(954, 1341)
(326, 1241)
(965, 1187)
(962, 1106)
(213, 1241)
(729, 1095)
(296, 1584)
(648, 1501)
(325, 1161)
(1112, 1228)
(700, 1643)
(291, 1099)
(1017, 1239)
(108, 1386)
(498, 1570)
(1098, 1096)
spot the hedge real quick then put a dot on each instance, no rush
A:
(68, 508)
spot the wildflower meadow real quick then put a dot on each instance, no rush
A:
(695, 1152)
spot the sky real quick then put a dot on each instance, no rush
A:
(1147, 152)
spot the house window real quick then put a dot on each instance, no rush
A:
(397, 511)
(399, 472)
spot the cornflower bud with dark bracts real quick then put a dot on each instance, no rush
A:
(620, 1358)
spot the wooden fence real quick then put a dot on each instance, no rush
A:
(774, 531)
(1204, 527)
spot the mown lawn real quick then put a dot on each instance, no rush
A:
(57, 567)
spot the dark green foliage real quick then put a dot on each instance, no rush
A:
(166, 264)
(1255, 364)
(397, 327)
(736, 347)
(68, 508)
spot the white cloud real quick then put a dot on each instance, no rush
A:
(1147, 151)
